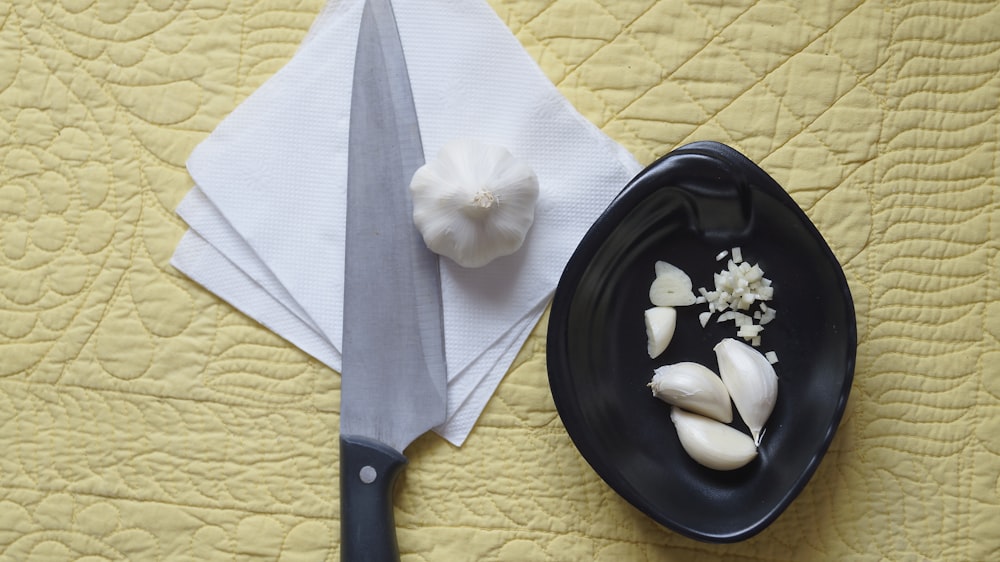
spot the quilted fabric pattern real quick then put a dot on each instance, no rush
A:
(142, 419)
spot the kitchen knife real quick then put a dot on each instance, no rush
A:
(393, 377)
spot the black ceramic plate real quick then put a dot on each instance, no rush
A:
(685, 208)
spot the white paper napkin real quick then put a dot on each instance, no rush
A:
(268, 211)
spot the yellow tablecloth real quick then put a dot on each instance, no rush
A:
(141, 418)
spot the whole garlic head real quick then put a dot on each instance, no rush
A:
(474, 203)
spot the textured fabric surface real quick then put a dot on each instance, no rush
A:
(143, 419)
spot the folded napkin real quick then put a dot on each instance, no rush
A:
(267, 214)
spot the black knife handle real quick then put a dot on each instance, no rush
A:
(368, 471)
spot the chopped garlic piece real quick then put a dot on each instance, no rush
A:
(703, 318)
(768, 316)
(749, 331)
(772, 357)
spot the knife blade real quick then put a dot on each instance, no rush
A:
(393, 379)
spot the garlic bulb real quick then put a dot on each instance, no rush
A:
(660, 324)
(474, 203)
(751, 381)
(671, 287)
(711, 443)
(693, 387)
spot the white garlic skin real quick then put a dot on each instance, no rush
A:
(751, 381)
(694, 387)
(711, 443)
(474, 203)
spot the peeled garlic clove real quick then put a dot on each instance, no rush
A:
(660, 324)
(693, 387)
(751, 381)
(671, 287)
(711, 443)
